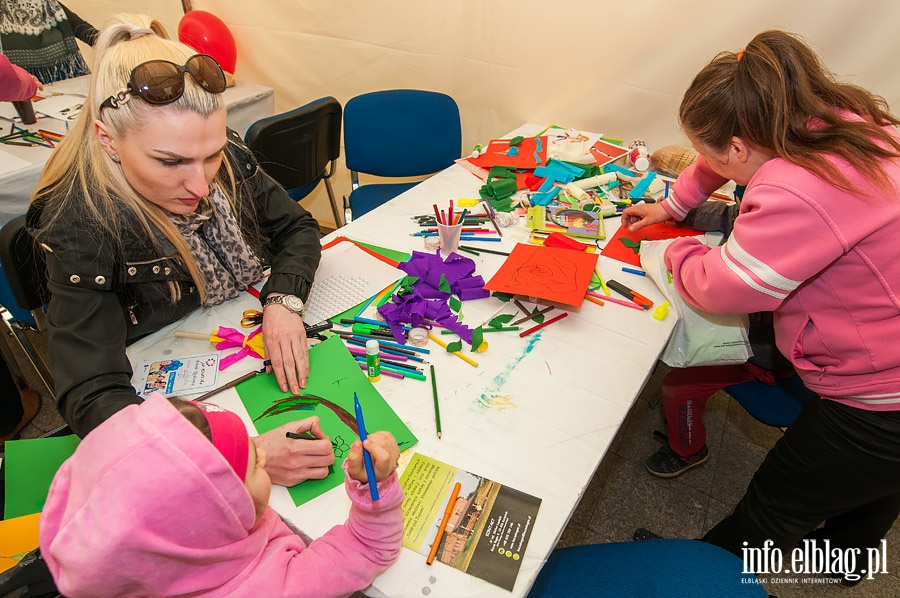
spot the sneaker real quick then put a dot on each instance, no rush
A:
(666, 463)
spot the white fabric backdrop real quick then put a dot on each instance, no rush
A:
(613, 67)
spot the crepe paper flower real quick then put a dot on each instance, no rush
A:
(435, 295)
(229, 338)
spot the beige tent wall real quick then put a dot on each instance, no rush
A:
(612, 67)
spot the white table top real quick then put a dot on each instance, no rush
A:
(538, 414)
(245, 102)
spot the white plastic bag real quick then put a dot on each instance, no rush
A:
(699, 338)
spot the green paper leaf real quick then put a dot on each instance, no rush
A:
(443, 285)
(505, 297)
(477, 338)
(636, 247)
(454, 346)
(455, 304)
(500, 320)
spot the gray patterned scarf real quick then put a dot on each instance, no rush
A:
(223, 256)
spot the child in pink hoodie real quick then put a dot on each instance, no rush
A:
(148, 506)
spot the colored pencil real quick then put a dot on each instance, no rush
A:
(602, 282)
(532, 315)
(490, 214)
(443, 527)
(468, 360)
(437, 407)
(385, 372)
(482, 250)
(525, 333)
(594, 300)
(617, 301)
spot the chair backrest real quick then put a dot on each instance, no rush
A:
(401, 132)
(300, 147)
(670, 568)
(24, 267)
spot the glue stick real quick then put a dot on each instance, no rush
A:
(373, 361)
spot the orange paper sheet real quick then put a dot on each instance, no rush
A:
(18, 537)
(655, 232)
(557, 275)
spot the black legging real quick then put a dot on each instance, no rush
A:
(835, 464)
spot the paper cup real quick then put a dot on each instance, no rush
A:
(449, 236)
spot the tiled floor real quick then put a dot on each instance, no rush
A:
(623, 497)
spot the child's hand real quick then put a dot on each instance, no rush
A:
(385, 454)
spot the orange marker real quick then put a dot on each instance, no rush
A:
(443, 527)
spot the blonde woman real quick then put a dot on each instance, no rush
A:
(151, 208)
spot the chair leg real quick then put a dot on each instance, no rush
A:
(335, 209)
(348, 214)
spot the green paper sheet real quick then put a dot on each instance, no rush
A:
(30, 467)
(335, 376)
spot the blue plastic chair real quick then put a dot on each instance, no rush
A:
(300, 148)
(667, 568)
(397, 133)
(777, 405)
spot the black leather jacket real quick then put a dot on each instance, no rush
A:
(103, 299)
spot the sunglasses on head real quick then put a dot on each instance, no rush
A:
(162, 82)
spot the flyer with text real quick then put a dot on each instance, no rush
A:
(489, 525)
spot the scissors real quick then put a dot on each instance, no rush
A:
(252, 317)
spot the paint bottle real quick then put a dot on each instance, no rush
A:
(373, 361)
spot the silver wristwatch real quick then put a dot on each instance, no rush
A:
(292, 302)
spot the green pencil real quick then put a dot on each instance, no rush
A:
(437, 407)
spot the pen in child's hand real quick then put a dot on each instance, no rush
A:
(303, 436)
(367, 458)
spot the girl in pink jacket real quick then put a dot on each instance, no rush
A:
(816, 243)
(148, 506)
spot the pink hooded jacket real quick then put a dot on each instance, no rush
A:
(825, 261)
(148, 507)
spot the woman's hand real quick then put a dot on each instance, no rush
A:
(385, 454)
(637, 217)
(291, 461)
(284, 337)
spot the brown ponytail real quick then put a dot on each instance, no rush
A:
(768, 97)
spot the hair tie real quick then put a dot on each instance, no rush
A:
(740, 55)
(141, 33)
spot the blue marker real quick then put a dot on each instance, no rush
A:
(633, 271)
(367, 458)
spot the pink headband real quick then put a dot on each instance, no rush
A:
(229, 435)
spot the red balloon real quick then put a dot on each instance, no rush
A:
(206, 33)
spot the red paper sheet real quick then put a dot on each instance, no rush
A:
(558, 275)
(655, 232)
(605, 152)
(496, 154)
